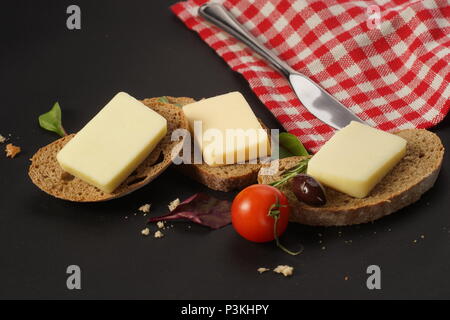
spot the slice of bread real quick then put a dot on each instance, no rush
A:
(46, 173)
(222, 178)
(413, 176)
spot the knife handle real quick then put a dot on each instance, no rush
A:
(222, 18)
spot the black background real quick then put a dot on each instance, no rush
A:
(140, 47)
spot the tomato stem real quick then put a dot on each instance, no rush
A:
(274, 212)
(277, 240)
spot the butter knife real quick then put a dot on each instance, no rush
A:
(319, 102)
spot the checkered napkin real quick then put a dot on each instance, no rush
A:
(386, 60)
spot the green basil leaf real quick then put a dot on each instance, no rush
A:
(284, 153)
(51, 120)
(290, 146)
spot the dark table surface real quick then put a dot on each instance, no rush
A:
(140, 47)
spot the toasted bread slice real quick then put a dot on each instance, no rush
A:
(414, 175)
(222, 178)
(46, 173)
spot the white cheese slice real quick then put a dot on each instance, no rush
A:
(114, 143)
(228, 130)
(356, 158)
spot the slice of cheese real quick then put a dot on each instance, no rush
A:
(356, 158)
(226, 130)
(114, 143)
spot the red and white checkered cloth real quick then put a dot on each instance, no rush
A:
(394, 74)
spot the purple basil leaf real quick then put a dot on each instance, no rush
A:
(202, 209)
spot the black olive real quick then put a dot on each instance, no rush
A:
(308, 190)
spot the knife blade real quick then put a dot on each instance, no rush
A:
(313, 97)
(320, 103)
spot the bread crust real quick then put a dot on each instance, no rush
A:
(210, 176)
(409, 180)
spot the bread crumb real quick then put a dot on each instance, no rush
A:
(262, 270)
(174, 204)
(284, 270)
(145, 232)
(160, 224)
(2, 139)
(145, 208)
(11, 150)
(159, 234)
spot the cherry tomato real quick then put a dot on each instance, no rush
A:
(250, 213)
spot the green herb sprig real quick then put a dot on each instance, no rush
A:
(166, 100)
(291, 173)
(163, 100)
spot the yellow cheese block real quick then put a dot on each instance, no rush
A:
(114, 143)
(356, 158)
(228, 130)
